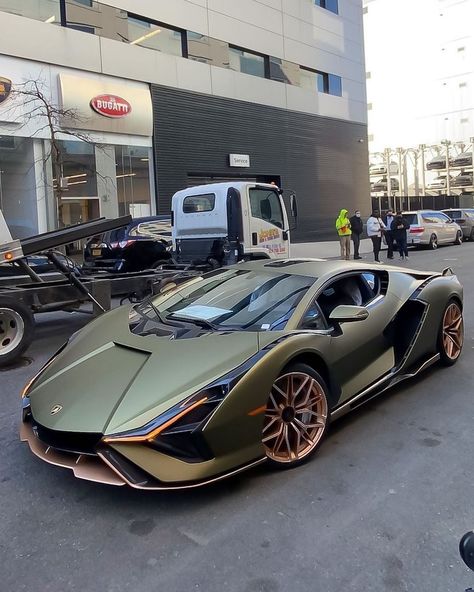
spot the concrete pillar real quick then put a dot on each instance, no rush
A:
(106, 181)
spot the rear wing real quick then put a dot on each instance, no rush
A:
(10, 249)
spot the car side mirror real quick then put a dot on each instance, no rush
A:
(348, 314)
(466, 549)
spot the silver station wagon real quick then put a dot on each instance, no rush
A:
(430, 228)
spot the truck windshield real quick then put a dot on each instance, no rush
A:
(235, 299)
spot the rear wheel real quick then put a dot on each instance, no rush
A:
(296, 417)
(16, 330)
(458, 240)
(159, 263)
(433, 244)
(451, 333)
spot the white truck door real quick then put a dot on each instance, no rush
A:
(267, 224)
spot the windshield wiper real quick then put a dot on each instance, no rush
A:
(200, 322)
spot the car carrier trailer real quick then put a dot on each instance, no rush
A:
(20, 302)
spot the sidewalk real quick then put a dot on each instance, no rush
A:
(327, 249)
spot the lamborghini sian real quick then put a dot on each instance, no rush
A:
(243, 365)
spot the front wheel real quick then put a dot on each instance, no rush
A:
(16, 330)
(433, 244)
(451, 333)
(296, 417)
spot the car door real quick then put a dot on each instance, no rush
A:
(267, 230)
(449, 228)
(360, 353)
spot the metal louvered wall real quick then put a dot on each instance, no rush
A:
(322, 159)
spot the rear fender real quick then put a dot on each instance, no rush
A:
(435, 293)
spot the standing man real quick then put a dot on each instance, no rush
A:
(389, 234)
(343, 227)
(375, 228)
(357, 227)
(399, 230)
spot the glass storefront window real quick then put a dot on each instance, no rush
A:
(76, 187)
(146, 34)
(18, 185)
(47, 11)
(133, 180)
(246, 62)
(208, 50)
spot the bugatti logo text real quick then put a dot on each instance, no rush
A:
(55, 409)
(111, 106)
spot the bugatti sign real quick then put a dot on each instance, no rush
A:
(5, 89)
(111, 106)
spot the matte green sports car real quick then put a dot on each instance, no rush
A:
(243, 365)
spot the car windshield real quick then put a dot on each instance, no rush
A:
(235, 299)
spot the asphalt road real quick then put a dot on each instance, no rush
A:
(380, 508)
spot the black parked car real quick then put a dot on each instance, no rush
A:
(143, 244)
(462, 180)
(462, 160)
(40, 264)
(438, 162)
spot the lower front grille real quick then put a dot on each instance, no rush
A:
(77, 442)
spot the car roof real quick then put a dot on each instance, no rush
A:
(310, 267)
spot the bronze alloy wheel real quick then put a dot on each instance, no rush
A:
(453, 332)
(295, 418)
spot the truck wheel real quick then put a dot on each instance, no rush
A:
(17, 327)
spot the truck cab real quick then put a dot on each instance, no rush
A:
(223, 223)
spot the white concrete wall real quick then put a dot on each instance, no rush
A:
(420, 56)
(294, 30)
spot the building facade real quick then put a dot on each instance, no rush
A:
(155, 95)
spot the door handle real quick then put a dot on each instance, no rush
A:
(254, 238)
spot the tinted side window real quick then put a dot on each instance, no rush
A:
(199, 203)
(353, 290)
(454, 214)
(265, 205)
(431, 219)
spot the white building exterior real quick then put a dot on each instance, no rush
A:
(300, 56)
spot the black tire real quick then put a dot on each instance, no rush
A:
(433, 244)
(446, 356)
(458, 240)
(17, 328)
(159, 263)
(286, 417)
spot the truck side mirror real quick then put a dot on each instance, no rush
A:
(293, 206)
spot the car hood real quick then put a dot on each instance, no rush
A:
(108, 380)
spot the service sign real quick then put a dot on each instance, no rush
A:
(5, 89)
(239, 160)
(111, 106)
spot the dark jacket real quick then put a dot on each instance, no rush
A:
(357, 226)
(399, 228)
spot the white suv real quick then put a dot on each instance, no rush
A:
(431, 228)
